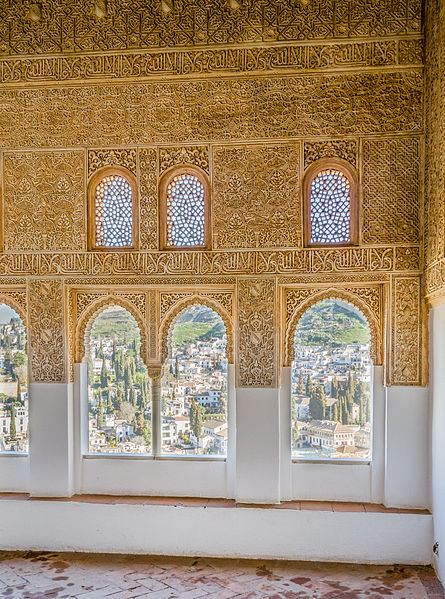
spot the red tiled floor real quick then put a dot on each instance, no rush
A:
(29, 575)
(339, 506)
(323, 506)
(336, 506)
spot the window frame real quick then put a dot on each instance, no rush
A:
(162, 205)
(93, 182)
(310, 174)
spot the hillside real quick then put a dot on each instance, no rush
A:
(331, 322)
(197, 324)
(115, 322)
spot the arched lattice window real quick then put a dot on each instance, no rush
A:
(330, 204)
(185, 209)
(112, 209)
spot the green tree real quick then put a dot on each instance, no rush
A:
(132, 397)
(334, 387)
(177, 367)
(104, 376)
(19, 391)
(100, 412)
(90, 371)
(109, 401)
(317, 403)
(301, 385)
(309, 386)
(12, 428)
(335, 412)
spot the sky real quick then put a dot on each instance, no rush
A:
(6, 313)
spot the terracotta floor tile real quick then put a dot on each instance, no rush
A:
(288, 505)
(340, 506)
(15, 496)
(323, 506)
(216, 502)
(377, 508)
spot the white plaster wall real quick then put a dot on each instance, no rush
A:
(14, 473)
(257, 445)
(178, 477)
(231, 532)
(407, 474)
(437, 390)
(50, 439)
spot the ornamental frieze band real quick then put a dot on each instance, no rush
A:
(387, 259)
(227, 61)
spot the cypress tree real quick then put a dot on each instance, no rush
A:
(19, 391)
(335, 412)
(133, 397)
(301, 386)
(109, 402)
(113, 355)
(100, 413)
(104, 375)
(12, 429)
(309, 386)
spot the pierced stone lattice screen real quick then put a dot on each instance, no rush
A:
(114, 212)
(330, 207)
(185, 211)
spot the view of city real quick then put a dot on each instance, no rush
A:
(194, 386)
(118, 386)
(331, 401)
(13, 382)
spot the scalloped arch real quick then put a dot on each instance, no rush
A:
(10, 301)
(332, 293)
(87, 319)
(165, 330)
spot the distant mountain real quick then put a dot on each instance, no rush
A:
(115, 322)
(332, 322)
(199, 323)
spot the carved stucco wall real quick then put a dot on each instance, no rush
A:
(86, 85)
(435, 150)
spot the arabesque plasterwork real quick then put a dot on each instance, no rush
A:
(204, 111)
(220, 263)
(74, 27)
(255, 196)
(391, 190)
(347, 149)
(43, 201)
(98, 158)
(153, 64)
(184, 155)
(252, 92)
(46, 311)
(257, 326)
(407, 334)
